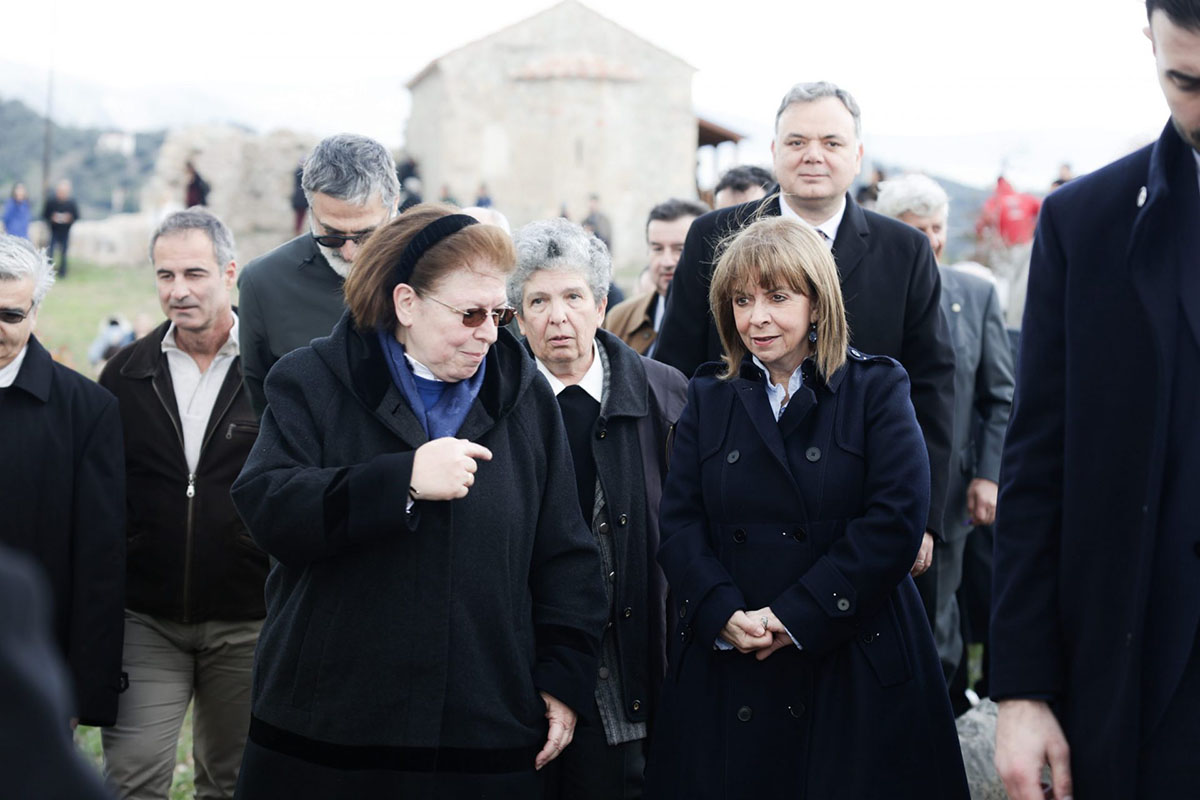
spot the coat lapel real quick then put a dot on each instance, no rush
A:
(851, 243)
(752, 394)
(1152, 259)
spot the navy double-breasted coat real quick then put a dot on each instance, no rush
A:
(818, 516)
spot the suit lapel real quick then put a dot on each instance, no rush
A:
(851, 243)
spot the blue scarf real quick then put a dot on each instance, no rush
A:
(448, 413)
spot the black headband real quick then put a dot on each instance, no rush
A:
(426, 238)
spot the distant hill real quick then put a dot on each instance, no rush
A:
(106, 167)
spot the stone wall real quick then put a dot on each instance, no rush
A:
(551, 109)
(251, 178)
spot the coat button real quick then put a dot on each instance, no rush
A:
(867, 638)
(685, 634)
(733, 456)
(745, 713)
(813, 454)
(600, 434)
(604, 527)
(843, 604)
(603, 673)
(799, 534)
(612, 576)
(683, 609)
(636, 705)
(627, 613)
(622, 520)
(739, 536)
(797, 711)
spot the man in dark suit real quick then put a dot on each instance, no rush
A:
(1096, 609)
(62, 486)
(983, 389)
(889, 278)
(293, 294)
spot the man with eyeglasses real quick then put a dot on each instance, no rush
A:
(62, 486)
(293, 294)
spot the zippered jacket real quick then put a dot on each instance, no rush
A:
(189, 556)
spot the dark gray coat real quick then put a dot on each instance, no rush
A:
(287, 298)
(431, 633)
(983, 388)
(643, 400)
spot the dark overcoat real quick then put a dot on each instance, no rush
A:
(818, 516)
(1097, 571)
(62, 491)
(415, 643)
(891, 288)
(286, 298)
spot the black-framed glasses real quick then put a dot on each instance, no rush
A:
(474, 317)
(13, 316)
(337, 241)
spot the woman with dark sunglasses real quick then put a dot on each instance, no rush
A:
(435, 603)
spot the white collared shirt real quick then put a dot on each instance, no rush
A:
(8, 374)
(195, 391)
(776, 392)
(1196, 155)
(420, 370)
(829, 227)
(592, 381)
(660, 308)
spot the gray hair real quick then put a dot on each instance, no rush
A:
(20, 260)
(198, 218)
(561, 245)
(352, 168)
(916, 194)
(811, 92)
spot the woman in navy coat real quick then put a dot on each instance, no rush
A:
(802, 664)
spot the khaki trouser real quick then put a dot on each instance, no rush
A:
(167, 663)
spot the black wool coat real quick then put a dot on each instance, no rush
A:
(397, 637)
(62, 489)
(891, 289)
(818, 516)
(1096, 599)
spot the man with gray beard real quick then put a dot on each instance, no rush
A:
(293, 294)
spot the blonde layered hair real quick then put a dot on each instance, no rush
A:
(772, 253)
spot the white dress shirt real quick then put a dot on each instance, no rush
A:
(195, 391)
(776, 392)
(829, 227)
(8, 374)
(592, 381)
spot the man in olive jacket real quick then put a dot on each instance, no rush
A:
(194, 602)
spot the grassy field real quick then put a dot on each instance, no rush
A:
(71, 314)
(182, 786)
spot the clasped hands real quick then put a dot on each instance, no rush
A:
(758, 631)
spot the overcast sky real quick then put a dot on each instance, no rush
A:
(974, 84)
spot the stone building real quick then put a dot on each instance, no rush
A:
(552, 109)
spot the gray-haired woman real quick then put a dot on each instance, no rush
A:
(619, 409)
